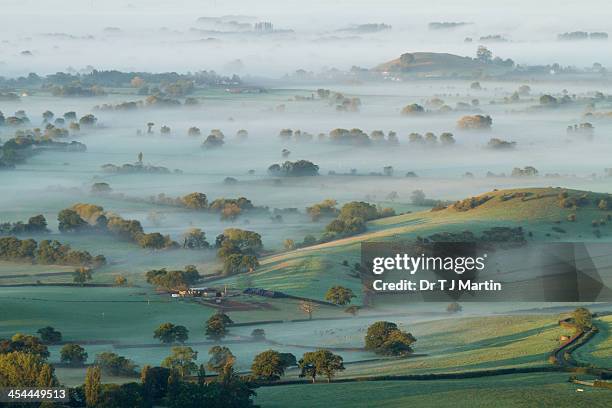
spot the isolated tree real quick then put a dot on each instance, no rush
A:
(82, 275)
(49, 335)
(387, 339)
(583, 319)
(73, 354)
(182, 360)
(216, 325)
(339, 295)
(114, 364)
(268, 365)
(308, 307)
(483, 54)
(120, 280)
(47, 116)
(454, 307)
(169, 333)
(258, 334)
(195, 201)
(194, 131)
(220, 356)
(289, 244)
(413, 109)
(93, 386)
(195, 238)
(320, 363)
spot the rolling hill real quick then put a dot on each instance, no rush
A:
(544, 214)
(440, 64)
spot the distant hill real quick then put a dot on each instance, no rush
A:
(439, 64)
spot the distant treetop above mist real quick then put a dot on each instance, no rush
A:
(115, 78)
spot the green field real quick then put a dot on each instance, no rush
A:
(598, 351)
(518, 390)
(320, 266)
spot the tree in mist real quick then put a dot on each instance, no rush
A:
(49, 335)
(483, 54)
(220, 357)
(194, 131)
(195, 238)
(73, 354)
(339, 295)
(216, 325)
(413, 109)
(82, 275)
(181, 360)
(47, 116)
(120, 280)
(150, 127)
(169, 333)
(308, 308)
(242, 134)
(454, 307)
(470, 122)
(320, 363)
(196, 201)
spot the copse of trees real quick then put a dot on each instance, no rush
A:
(220, 357)
(352, 218)
(320, 363)
(339, 295)
(159, 386)
(49, 335)
(239, 250)
(195, 238)
(582, 318)
(326, 208)
(181, 361)
(23, 369)
(47, 252)
(89, 217)
(73, 355)
(214, 140)
(35, 225)
(270, 365)
(413, 109)
(24, 343)
(387, 339)
(475, 122)
(216, 325)
(300, 168)
(173, 280)
(113, 364)
(169, 333)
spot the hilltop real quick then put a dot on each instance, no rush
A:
(545, 214)
(439, 64)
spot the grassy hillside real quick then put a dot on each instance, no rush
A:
(443, 64)
(311, 271)
(518, 390)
